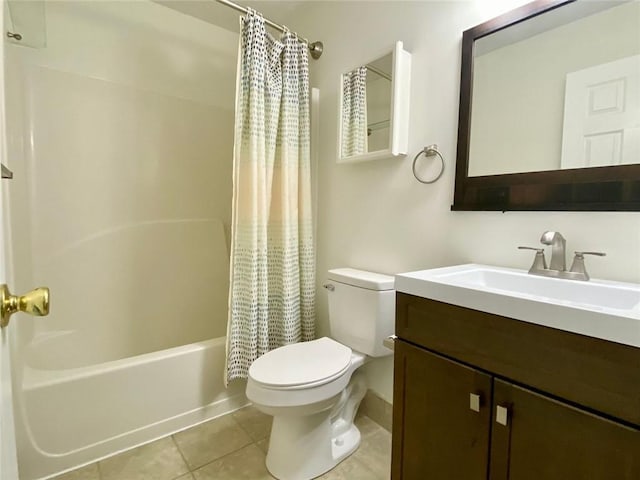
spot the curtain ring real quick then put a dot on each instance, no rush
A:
(429, 151)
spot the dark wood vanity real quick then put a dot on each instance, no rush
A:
(480, 396)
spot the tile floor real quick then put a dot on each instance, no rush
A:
(231, 447)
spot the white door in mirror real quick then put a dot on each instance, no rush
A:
(602, 115)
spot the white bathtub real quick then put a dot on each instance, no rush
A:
(75, 416)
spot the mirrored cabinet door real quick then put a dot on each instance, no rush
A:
(374, 108)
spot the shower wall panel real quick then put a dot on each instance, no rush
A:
(124, 151)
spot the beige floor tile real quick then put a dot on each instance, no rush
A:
(367, 426)
(186, 476)
(350, 469)
(254, 422)
(263, 445)
(245, 464)
(375, 453)
(211, 440)
(159, 460)
(90, 472)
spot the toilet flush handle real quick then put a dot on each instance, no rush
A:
(329, 286)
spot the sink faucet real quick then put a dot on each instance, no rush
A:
(558, 264)
(558, 245)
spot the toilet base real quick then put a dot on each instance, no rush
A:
(302, 448)
(307, 446)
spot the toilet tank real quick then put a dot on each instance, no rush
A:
(362, 309)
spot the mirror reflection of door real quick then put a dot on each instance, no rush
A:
(602, 115)
(522, 91)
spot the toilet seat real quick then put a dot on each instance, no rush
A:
(301, 365)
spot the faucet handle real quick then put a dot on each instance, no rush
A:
(582, 254)
(578, 263)
(539, 262)
(539, 250)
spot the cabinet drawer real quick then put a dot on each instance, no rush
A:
(598, 374)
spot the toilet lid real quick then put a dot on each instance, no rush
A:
(301, 363)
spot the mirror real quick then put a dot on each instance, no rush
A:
(550, 111)
(374, 108)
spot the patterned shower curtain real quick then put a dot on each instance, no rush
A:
(272, 288)
(354, 112)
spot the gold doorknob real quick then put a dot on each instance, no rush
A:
(35, 302)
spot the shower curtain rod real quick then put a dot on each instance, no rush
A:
(315, 48)
(379, 72)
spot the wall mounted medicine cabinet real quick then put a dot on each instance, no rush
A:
(373, 108)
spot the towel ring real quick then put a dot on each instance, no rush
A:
(429, 151)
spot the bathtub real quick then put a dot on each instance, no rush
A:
(75, 416)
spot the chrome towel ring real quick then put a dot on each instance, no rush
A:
(429, 151)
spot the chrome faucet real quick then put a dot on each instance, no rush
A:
(558, 264)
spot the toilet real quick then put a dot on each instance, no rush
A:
(312, 389)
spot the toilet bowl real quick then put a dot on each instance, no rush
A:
(312, 389)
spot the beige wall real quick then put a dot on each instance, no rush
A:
(375, 215)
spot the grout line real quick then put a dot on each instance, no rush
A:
(184, 459)
(242, 428)
(183, 474)
(226, 455)
(230, 414)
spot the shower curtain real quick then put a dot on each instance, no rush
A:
(272, 287)
(354, 112)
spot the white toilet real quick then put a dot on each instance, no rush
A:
(310, 387)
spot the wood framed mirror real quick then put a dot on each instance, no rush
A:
(549, 113)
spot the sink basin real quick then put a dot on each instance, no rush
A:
(598, 308)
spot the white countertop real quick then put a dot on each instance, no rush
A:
(597, 308)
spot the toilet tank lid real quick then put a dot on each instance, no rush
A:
(361, 278)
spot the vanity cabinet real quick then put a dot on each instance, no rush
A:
(479, 396)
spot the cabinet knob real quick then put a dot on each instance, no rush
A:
(474, 402)
(502, 415)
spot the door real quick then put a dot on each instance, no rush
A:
(447, 434)
(602, 115)
(535, 437)
(8, 462)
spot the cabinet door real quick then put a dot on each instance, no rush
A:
(538, 438)
(441, 417)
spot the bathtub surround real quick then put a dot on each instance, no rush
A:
(375, 215)
(121, 203)
(272, 255)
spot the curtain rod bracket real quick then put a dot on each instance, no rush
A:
(316, 49)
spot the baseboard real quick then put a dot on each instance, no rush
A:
(377, 409)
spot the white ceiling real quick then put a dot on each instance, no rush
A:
(225, 17)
